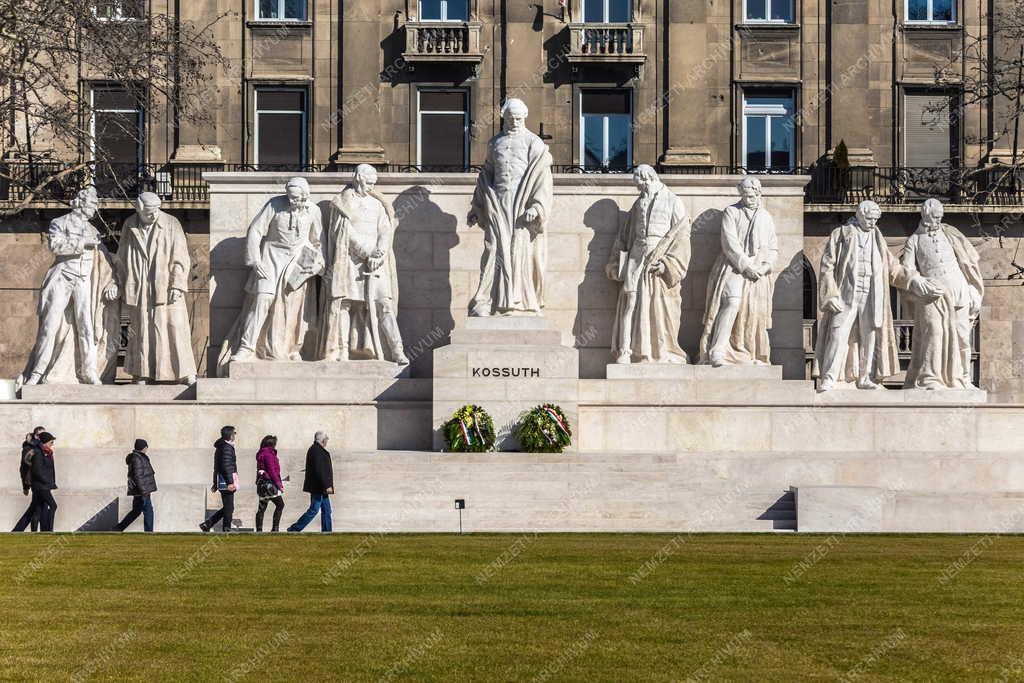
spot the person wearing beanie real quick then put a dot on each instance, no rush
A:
(141, 483)
(28, 449)
(43, 480)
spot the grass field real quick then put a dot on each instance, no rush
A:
(511, 608)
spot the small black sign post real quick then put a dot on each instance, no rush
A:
(460, 505)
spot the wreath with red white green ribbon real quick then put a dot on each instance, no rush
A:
(544, 429)
(470, 430)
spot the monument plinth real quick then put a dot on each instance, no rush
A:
(507, 364)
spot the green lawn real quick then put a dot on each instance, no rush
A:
(511, 608)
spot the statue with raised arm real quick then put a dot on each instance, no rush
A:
(282, 251)
(360, 279)
(856, 338)
(78, 327)
(512, 204)
(153, 267)
(948, 304)
(650, 258)
(738, 311)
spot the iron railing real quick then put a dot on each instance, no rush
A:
(183, 182)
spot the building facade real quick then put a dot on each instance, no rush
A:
(847, 93)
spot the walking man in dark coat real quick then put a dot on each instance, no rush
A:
(43, 480)
(225, 478)
(31, 515)
(141, 483)
(319, 484)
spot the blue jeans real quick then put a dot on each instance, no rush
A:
(318, 502)
(141, 505)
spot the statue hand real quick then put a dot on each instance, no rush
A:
(111, 292)
(751, 274)
(472, 218)
(374, 262)
(175, 296)
(531, 215)
(833, 305)
(657, 268)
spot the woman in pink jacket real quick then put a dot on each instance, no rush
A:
(269, 486)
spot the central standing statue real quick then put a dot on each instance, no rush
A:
(360, 281)
(650, 258)
(512, 203)
(739, 301)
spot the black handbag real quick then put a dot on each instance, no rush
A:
(265, 488)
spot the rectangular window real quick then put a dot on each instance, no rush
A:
(931, 11)
(769, 11)
(281, 10)
(280, 128)
(443, 127)
(606, 123)
(118, 10)
(444, 10)
(929, 133)
(118, 144)
(607, 11)
(769, 137)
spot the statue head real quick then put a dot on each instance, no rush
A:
(750, 192)
(514, 113)
(646, 179)
(147, 207)
(931, 213)
(364, 178)
(297, 190)
(86, 202)
(868, 213)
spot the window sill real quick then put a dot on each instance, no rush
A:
(769, 25)
(276, 24)
(931, 26)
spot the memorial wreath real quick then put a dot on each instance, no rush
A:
(470, 430)
(544, 429)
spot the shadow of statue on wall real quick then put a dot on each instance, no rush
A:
(705, 247)
(227, 267)
(424, 238)
(597, 296)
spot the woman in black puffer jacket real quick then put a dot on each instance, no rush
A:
(141, 483)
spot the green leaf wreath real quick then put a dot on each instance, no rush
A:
(544, 429)
(470, 430)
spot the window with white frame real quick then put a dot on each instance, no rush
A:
(606, 125)
(607, 11)
(118, 10)
(768, 11)
(442, 128)
(281, 10)
(444, 10)
(769, 136)
(280, 131)
(931, 11)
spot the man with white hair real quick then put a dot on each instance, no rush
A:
(153, 268)
(948, 305)
(650, 259)
(74, 242)
(512, 203)
(282, 250)
(360, 279)
(738, 312)
(856, 338)
(319, 484)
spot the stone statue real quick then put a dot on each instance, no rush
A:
(512, 203)
(948, 304)
(738, 312)
(282, 249)
(78, 328)
(650, 258)
(856, 338)
(153, 267)
(360, 280)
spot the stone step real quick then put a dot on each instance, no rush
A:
(297, 370)
(698, 373)
(107, 393)
(853, 396)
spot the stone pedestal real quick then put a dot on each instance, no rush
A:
(353, 381)
(670, 383)
(107, 393)
(507, 365)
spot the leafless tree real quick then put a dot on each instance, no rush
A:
(51, 51)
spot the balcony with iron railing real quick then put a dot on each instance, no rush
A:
(443, 42)
(604, 43)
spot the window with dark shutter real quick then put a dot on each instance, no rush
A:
(280, 128)
(443, 128)
(927, 129)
